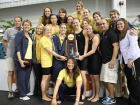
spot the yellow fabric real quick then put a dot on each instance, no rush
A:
(46, 58)
(53, 31)
(92, 20)
(28, 54)
(41, 20)
(97, 29)
(38, 50)
(61, 41)
(69, 29)
(74, 15)
(67, 80)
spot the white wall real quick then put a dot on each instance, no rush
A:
(33, 12)
(132, 9)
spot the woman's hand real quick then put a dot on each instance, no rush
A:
(22, 63)
(129, 63)
(63, 58)
(122, 66)
(54, 102)
(133, 32)
(81, 58)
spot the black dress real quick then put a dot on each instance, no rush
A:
(94, 61)
(81, 47)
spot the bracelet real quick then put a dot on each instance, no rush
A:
(77, 99)
(75, 104)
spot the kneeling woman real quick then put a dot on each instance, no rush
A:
(69, 82)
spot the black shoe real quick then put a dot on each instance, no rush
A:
(10, 95)
(17, 92)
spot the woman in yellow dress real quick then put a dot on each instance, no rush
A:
(55, 27)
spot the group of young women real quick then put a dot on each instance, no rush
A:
(47, 53)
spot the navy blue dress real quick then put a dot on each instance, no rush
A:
(57, 64)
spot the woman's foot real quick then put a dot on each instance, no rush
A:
(95, 99)
(59, 102)
(49, 96)
(91, 98)
(46, 98)
(83, 97)
(81, 103)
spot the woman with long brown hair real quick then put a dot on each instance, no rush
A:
(45, 19)
(62, 16)
(69, 82)
(129, 57)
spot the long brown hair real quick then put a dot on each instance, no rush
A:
(126, 27)
(44, 16)
(76, 70)
(63, 10)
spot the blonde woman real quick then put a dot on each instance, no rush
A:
(79, 10)
(36, 58)
(46, 60)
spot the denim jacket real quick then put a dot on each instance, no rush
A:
(21, 44)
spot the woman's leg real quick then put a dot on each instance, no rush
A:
(83, 73)
(93, 88)
(44, 85)
(97, 88)
(63, 89)
(38, 74)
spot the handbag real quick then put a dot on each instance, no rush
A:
(27, 64)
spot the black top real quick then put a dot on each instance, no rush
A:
(90, 47)
(59, 21)
(106, 46)
(80, 42)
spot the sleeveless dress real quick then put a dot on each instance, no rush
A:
(81, 46)
(94, 61)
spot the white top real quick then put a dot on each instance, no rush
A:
(129, 48)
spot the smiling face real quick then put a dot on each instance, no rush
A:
(70, 20)
(48, 30)
(17, 22)
(63, 29)
(114, 16)
(120, 25)
(70, 64)
(89, 30)
(78, 7)
(39, 30)
(26, 26)
(97, 18)
(62, 14)
(76, 23)
(53, 19)
(104, 25)
(86, 13)
(47, 12)
(84, 24)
